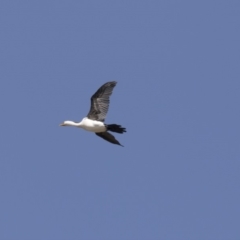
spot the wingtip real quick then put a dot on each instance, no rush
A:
(114, 83)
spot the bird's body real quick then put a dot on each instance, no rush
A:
(94, 122)
(92, 125)
(88, 125)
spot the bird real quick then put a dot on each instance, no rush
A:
(94, 121)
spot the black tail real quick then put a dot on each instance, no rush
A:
(115, 128)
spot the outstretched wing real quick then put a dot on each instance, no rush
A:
(100, 102)
(109, 137)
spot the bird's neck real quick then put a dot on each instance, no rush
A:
(71, 123)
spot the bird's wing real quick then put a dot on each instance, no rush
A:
(100, 102)
(109, 137)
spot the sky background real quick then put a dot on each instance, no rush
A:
(177, 64)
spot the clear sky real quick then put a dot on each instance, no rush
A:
(177, 64)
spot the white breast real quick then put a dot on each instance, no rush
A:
(92, 125)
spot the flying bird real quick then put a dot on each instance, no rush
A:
(94, 122)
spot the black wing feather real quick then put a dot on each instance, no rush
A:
(109, 137)
(100, 102)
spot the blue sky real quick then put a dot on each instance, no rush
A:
(177, 64)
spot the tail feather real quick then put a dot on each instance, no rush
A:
(115, 128)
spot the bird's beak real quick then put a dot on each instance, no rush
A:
(62, 124)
